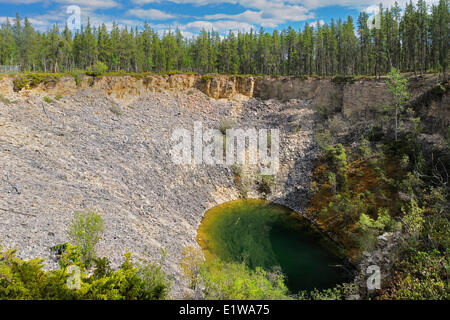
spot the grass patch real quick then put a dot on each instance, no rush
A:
(48, 100)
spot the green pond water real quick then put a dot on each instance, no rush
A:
(267, 235)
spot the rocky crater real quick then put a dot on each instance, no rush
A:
(106, 144)
(90, 150)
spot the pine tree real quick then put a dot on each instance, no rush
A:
(413, 40)
(398, 87)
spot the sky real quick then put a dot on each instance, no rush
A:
(190, 16)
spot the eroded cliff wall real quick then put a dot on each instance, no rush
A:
(363, 96)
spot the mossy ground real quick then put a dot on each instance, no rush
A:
(364, 184)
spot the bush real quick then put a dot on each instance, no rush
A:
(219, 280)
(191, 261)
(324, 139)
(337, 157)
(337, 160)
(340, 292)
(413, 218)
(85, 231)
(324, 111)
(369, 229)
(265, 186)
(365, 149)
(20, 83)
(237, 170)
(228, 281)
(25, 280)
(97, 69)
(77, 76)
(419, 276)
(48, 100)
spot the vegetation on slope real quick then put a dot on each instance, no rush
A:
(212, 278)
(76, 279)
(376, 177)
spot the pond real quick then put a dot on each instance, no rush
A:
(266, 235)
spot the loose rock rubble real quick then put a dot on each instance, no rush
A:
(80, 152)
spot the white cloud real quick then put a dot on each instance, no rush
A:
(3, 19)
(265, 13)
(309, 4)
(222, 26)
(152, 14)
(271, 15)
(317, 23)
(99, 4)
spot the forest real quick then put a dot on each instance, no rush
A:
(412, 40)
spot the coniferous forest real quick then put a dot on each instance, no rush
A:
(412, 40)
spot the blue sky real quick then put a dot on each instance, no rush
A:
(190, 16)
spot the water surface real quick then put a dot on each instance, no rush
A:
(267, 235)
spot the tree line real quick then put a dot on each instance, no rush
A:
(412, 40)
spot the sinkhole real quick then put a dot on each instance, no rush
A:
(268, 235)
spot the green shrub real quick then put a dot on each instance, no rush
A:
(192, 259)
(340, 79)
(102, 268)
(20, 83)
(243, 187)
(153, 284)
(337, 125)
(25, 280)
(369, 229)
(237, 170)
(420, 275)
(48, 100)
(337, 160)
(221, 280)
(58, 97)
(337, 157)
(324, 111)
(340, 292)
(413, 218)
(77, 76)
(365, 149)
(85, 231)
(324, 139)
(97, 69)
(32, 79)
(266, 184)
